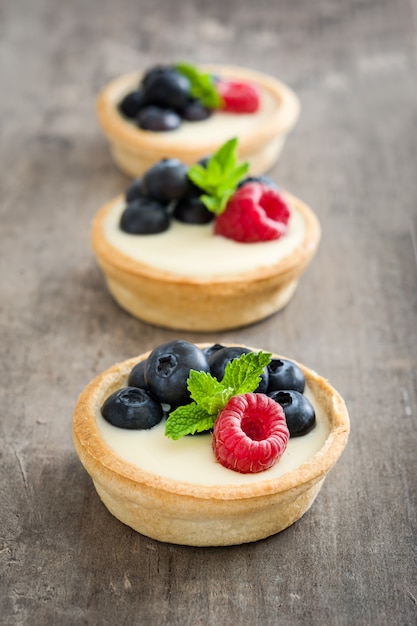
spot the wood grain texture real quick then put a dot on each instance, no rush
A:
(352, 557)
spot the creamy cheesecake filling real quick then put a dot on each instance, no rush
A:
(219, 127)
(191, 459)
(193, 250)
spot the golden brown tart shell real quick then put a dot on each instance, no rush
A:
(201, 515)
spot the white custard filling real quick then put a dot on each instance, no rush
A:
(191, 459)
(193, 250)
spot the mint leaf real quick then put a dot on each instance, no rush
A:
(220, 177)
(225, 155)
(202, 86)
(187, 420)
(210, 396)
(207, 392)
(244, 374)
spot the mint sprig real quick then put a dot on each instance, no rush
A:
(242, 375)
(220, 177)
(202, 85)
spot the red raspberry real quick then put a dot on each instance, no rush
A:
(255, 212)
(238, 97)
(250, 433)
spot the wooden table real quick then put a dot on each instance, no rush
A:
(352, 558)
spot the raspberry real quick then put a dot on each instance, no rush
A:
(250, 433)
(255, 212)
(238, 97)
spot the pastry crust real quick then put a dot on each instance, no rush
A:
(135, 150)
(207, 303)
(202, 515)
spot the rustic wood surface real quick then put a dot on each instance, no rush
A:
(352, 558)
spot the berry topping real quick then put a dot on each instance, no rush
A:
(220, 358)
(194, 111)
(168, 94)
(212, 349)
(299, 412)
(191, 210)
(284, 374)
(132, 408)
(158, 120)
(254, 213)
(238, 97)
(132, 104)
(135, 190)
(167, 180)
(168, 368)
(144, 216)
(152, 72)
(137, 376)
(250, 433)
(167, 88)
(210, 396)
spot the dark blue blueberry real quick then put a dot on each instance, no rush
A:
(167, 89)
(212, 349)
(284, 374)
(137, 376)
(157, 119)
(191, 210)
(168, 368)
(154, 71)
(195, 111)
(145, 216)
(264, 180)
(299, 412)
(132, 103)
(220, 358)
(135, 190)
(167, 180)
(132, 408)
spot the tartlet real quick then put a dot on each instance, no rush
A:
(189, 513)
(261, 136)
(206, 302)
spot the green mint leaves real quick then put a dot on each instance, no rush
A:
(202, 85)
(220, 177)
(210, 396)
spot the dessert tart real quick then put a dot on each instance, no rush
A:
(180, 489)
(200, 276)
(262, 131)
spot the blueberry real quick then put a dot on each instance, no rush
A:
(167, 89)
(220, 358)
(191, 210)
(158, 120)
(212, 349)
(132, 103)
(299, 412)
(144, 216)
(284, 374)
(137, 376)
(195, 111)
(135, 190)
(132, 408)
(154, 71)
(167, 180)
(264, 180)
(168, 368)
